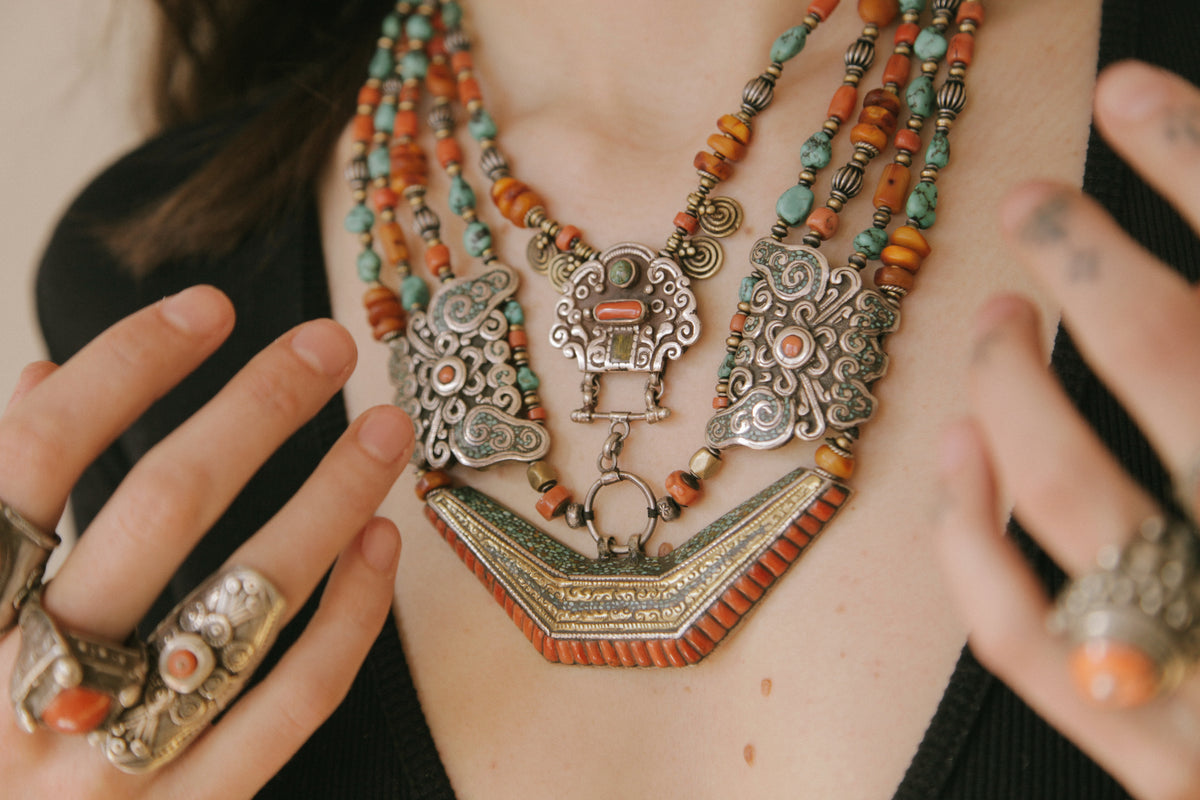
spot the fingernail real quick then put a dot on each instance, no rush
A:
(385, 434)
(1133, 91)
(194, 310)
(379, 545)
(324, 348)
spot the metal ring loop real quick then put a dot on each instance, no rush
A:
(637, 541)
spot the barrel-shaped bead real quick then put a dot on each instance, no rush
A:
(362, 128)
(906, 33)
(468, 90)
(391, 239)
(884, 99)
(439, 78)
(972, 10)
(892, 188)
(684, 487)
(541, 476)
(789, 44)
(878, 12)
(824, 221)
(907, 140)
(894, 277)
(567, 237)
(822, 9)
(448, 151)
(553, 502)
(962, 49)
(880, 117)
(844, 101)
(835, 463)
(897, 69)
(705, 463)
(437, 258)
(686, 222)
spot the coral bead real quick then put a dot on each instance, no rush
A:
(369, 96)
(907, 33)
(897, 69)
(687, 222)
(684, 487)
(878, 12)
(907, 140)
(363, 128)
(892, 190)
(972, 10)
(567, 237)
(962, 48)
(824, 221)
(834, 463)
(554, 502)
(468, 90)
(440, 80)
(822, 9)
(406, 123)
(843, 103)
(448, 152)
(461, 61)
(76, 710)
(437, 257)
(1113, 673)
(434, 479)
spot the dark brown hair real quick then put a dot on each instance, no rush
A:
(291, 69)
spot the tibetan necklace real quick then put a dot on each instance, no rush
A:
(805, 343)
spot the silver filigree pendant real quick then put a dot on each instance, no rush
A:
(812, 346)
(456, 378)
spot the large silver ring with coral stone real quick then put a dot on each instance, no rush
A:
(200, 656)
(69, 683)
(24, 550)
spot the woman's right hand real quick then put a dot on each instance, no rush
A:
(61, 419)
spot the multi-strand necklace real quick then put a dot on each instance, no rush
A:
(804, 346)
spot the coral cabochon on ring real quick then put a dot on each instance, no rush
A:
(1114, 673)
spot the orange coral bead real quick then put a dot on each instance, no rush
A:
(77, 710)
(913, 239)
(518, 338)
(972, 10)
(897, 69)
(440, 80)
(895, 255)
(521, 206)
(720, 402)
(406, 124)
(843, 103)
(384, 197)
(893, 188)
(822, 9)
(369, 96)
(734, 127)
(537, 413)
(437, 42)
(962, 49)
(687, 222)
(434, 479)
(1114, 674)
(907, 33)
(907, 140)
(448, 152)
(567, 237)
(824, 221)
(878, 12)
(363, 128)
(894, 276)
(468, 90)
(684, 487)
(391, 237)
(410, 92)
(461, 61)
(731, 148)
(436, 257)
(710, 163)
(554, 502)
(868, 135)
(738, 323)
(834, 462)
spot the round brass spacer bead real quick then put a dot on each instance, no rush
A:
(541, 476)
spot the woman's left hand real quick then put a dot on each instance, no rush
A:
(1137, 323)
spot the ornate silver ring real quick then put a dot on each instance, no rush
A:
(24, 550)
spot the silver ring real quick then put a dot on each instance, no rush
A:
(69, 683)
(1134, 622)
(24, 550)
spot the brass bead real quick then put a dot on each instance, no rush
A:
(542, 477)
(705, 463)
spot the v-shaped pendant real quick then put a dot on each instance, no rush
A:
(664, 611)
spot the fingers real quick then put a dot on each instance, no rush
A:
(266, 726)
(179, 489)
(74, 413)
(1061, 477)
(31, 376)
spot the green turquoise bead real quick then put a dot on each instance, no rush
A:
(419, 27)
(477, 238)
(451, 14)
(912, 5)
(481, 125)
(368, 266)
(746, 289)
(462, 196)
(391, 26)
(385, 117)
(514, 313)
(938, 152)
(413, 293)
(413, 64)
(789, 43)
(381, 64)
(527, 380)
(920, 96)
(726, 367)
(359, 219)
(795, 204)
(379, 162)
(930, 44)
(921, 204)
(817, 151)
(871, 242)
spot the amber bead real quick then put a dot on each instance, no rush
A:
(379, 311)
(377, 294)
(406, 124)
(684, 487)
(369, 96)
(554, 502)
(1114, 674)
(434, 479)
(824, 221)
(409, 166)
(878, 12)
(734, 127)
(437, 257)
(897, 69)
(844, 101)
(567, 237)
(521, 206)
(893, 188)
(505, 193)
(962, 48)
(822, 9)
(410, 93)
(363, 128)
(870, 135)
(895, 255)
(713, 165)
(387, 327)
(884, 98)
(894, 276)
(437, 43)
(440, 80)
(448, 152)
(972, 10)
(705, 464)
(907, 33)
(687, 222)
(383, 197)
(468, 90)
(727, 146)
(913, 239)
(461, 61)
(835, 463)
(880, 117)
(907, 140)
(391, 238)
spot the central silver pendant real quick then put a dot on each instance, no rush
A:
(627, 310)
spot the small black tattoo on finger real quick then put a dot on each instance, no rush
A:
(1046, 224)
(1183, 125)
(1083, 266)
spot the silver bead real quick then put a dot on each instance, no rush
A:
(493, 164)
(952, 96)
(861, 55)
(575, 515)
(758, 93)
(668, 509)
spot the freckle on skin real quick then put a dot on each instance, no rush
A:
(748, 754)
(766, 687)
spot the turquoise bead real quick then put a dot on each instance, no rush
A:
(920, 96)
(381, 64)
(413, 293)
(871, 242)
(527, 380)
(938, 152)
(451, 14)
(368, 266)
(359, 219)
(392, 26)
(477, 238)
(514, 313)
(481, 125)
(789, 43)
(746, 289)
(419, 27)
(385, 117)
(921, 204)
(816, 152)
(414, 64)
(379, 162)
(726, 366)
(795, 204)
(462, 196)
(912, 5)
(930, 44)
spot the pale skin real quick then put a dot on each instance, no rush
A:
(828, 687)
